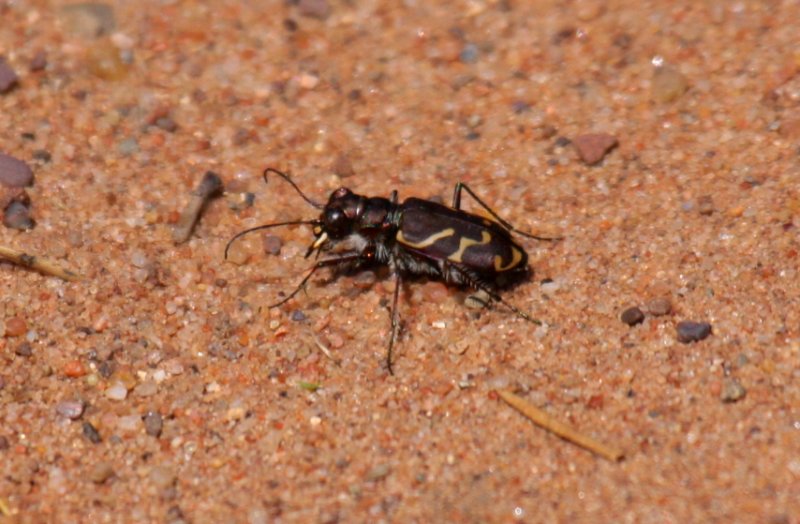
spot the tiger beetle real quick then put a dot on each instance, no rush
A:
(414, 238)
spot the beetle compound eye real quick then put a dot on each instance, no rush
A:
(336, 222)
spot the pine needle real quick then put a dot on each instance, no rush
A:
(40, 264)
(545, 421)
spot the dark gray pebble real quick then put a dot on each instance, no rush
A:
(153, 423)
(42, 156)
(8, 77)
(689, 331)
(469, 54)
(14, 172)
(91, 433)
(17, 215)
(298, 316)
(632, 316)
(167, 124)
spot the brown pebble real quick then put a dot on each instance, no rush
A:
(593, 147)
(668, 84)
(88, 19)
(101, 472)
(24, 350)
(732, 390)
(18, 216)
(272, 245)
(74, 369)
(342, 166)
(15, 327)
(39, 61)
(705, 206)
(8, 77)
(4, 445)
(632, 316)
(319, 9)
(659, 307)
(14, 172)
(104, 61)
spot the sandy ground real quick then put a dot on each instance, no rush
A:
(162, 389)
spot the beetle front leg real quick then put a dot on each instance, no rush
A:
(340, 261)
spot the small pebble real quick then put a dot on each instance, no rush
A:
(659, 307)
(91, 433)
(74, 369)
(24, 350)
(117, 391)
(593, 147)
(88, 19)
(105, 61)
(153, 423)
(101, 472)
(378, 472)
(128, 147)
(163, 476)
(146, 389)
(4, 445)
(319, 9)
(689, 331)
(167, 124)
(15, 327)
(17, 215)
(128, 423)
(272, 244)
(668, 84)
(298, 316)
(469, 54)
(705, 205)
(38, 62)
(732, 390)
(71, 409)
(8, 77)
(42, 156)
(14, 172)
(632, 316)
(342, 166)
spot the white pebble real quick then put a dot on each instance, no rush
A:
(117, 391)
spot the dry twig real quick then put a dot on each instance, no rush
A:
(542, 419)
(40, 264)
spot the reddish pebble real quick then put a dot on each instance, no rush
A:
(74, 369)
(16, 327)
(593, 147)
(595, 402)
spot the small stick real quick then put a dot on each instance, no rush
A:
(552, 425)
(209, 186)
(325, 350)
(38, 263)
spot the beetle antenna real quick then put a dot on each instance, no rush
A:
(265, 226)
(291, 182)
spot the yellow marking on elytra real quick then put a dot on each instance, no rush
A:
(428, 241)
(486, 237)
(516, 256)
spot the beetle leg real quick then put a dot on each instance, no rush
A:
(393, 197)
(342, 260)
(398, 283)
(504, 223)
(481, 286)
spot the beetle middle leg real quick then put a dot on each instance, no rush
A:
(457, 205)
(398, 283)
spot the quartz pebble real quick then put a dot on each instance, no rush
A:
(88, 19)
(689, 331)
(668, 84)
(153, 424)
(101, 472)
(659, 307)
(117, 391)
(71, 409)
